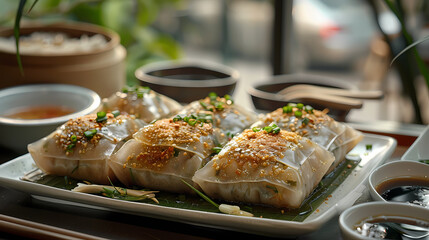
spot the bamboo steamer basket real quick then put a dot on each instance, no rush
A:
(101, 70)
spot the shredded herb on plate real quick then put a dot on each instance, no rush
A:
(368, 147)
(424, 161)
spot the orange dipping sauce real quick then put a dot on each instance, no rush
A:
(39, 112)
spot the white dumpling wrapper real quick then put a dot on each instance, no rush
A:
(337, 137)
(232, 119)
(165, 175)
(198, 139)
(274, 169)
(147, 106)
(87, 160)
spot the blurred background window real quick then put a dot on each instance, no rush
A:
(352, 40)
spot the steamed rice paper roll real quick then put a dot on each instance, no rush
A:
(80, 147)
(337, 137)
(199, 138)
(279, 169)
(163, 153)
(227, 116)
(142, 102)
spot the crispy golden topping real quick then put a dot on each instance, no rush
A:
(151, 157)
(178, 132)
(81, 131)
(214, 103)
(302, 123)
(253, 150)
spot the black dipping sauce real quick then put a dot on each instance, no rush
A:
(391, 227)
(412, 190)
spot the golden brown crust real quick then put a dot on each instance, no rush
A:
(258, 149)
(151, 157)
(315, 118)
(72, 133)
(178, 132)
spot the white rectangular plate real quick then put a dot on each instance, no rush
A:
(343, 197)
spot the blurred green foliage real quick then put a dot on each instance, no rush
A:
(131, 19)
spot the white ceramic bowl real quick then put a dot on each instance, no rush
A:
(18, 133)
(393, 170)
(356, 214)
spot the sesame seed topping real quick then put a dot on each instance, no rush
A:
(166, 131)
(77, 133)
(257, 150)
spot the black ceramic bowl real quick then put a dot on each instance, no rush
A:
(265, 98)
(186, 81)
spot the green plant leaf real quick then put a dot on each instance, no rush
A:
(408, 48)
(16, 33)
(32, 6)
(420, 64)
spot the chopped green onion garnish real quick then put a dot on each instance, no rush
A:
(136, 89)
(204, 105)
(424, 161)
(368, 147)
(292, 104)
(228, 99)
(116, 113)
(298, 114)
(300, 106)
(287, 109)
(192, 122)
(272, 128)
(177, 118)
(90, 133)
(230, 134)
(215, 104)
(73, 139)
(219, 106)
(216, 149)
(309, 109)
(101, 116)
(268, 129)
(212, 96)
(305, 121)
(194, 119)
(205, 117)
